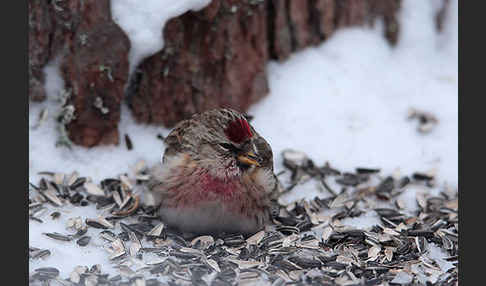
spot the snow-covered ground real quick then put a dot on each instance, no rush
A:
(345, 101)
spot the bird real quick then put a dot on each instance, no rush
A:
(215, 176)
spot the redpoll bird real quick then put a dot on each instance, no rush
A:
(216, 175)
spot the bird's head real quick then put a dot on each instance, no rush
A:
(224, 143)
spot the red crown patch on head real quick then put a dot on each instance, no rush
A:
(238, 130)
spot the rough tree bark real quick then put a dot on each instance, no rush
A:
(95, 71)
(212, 58)
(294, 25)
(94, 63)
(40, 27)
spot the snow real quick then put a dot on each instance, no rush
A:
(347, 103)
(143, 24)
(344, 101)
(436, 253)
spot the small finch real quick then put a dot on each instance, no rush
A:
(216, 175)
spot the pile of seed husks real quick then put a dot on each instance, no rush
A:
(307, 245)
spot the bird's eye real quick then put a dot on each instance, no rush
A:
(227, 147)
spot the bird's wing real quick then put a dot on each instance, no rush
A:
(174, 142)
(155, 184)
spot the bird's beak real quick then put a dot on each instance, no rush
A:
(249, 159)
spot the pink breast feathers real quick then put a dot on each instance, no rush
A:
(210, 184)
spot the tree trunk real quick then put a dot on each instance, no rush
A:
(94, 64)
(212, 58)
(95, 71)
